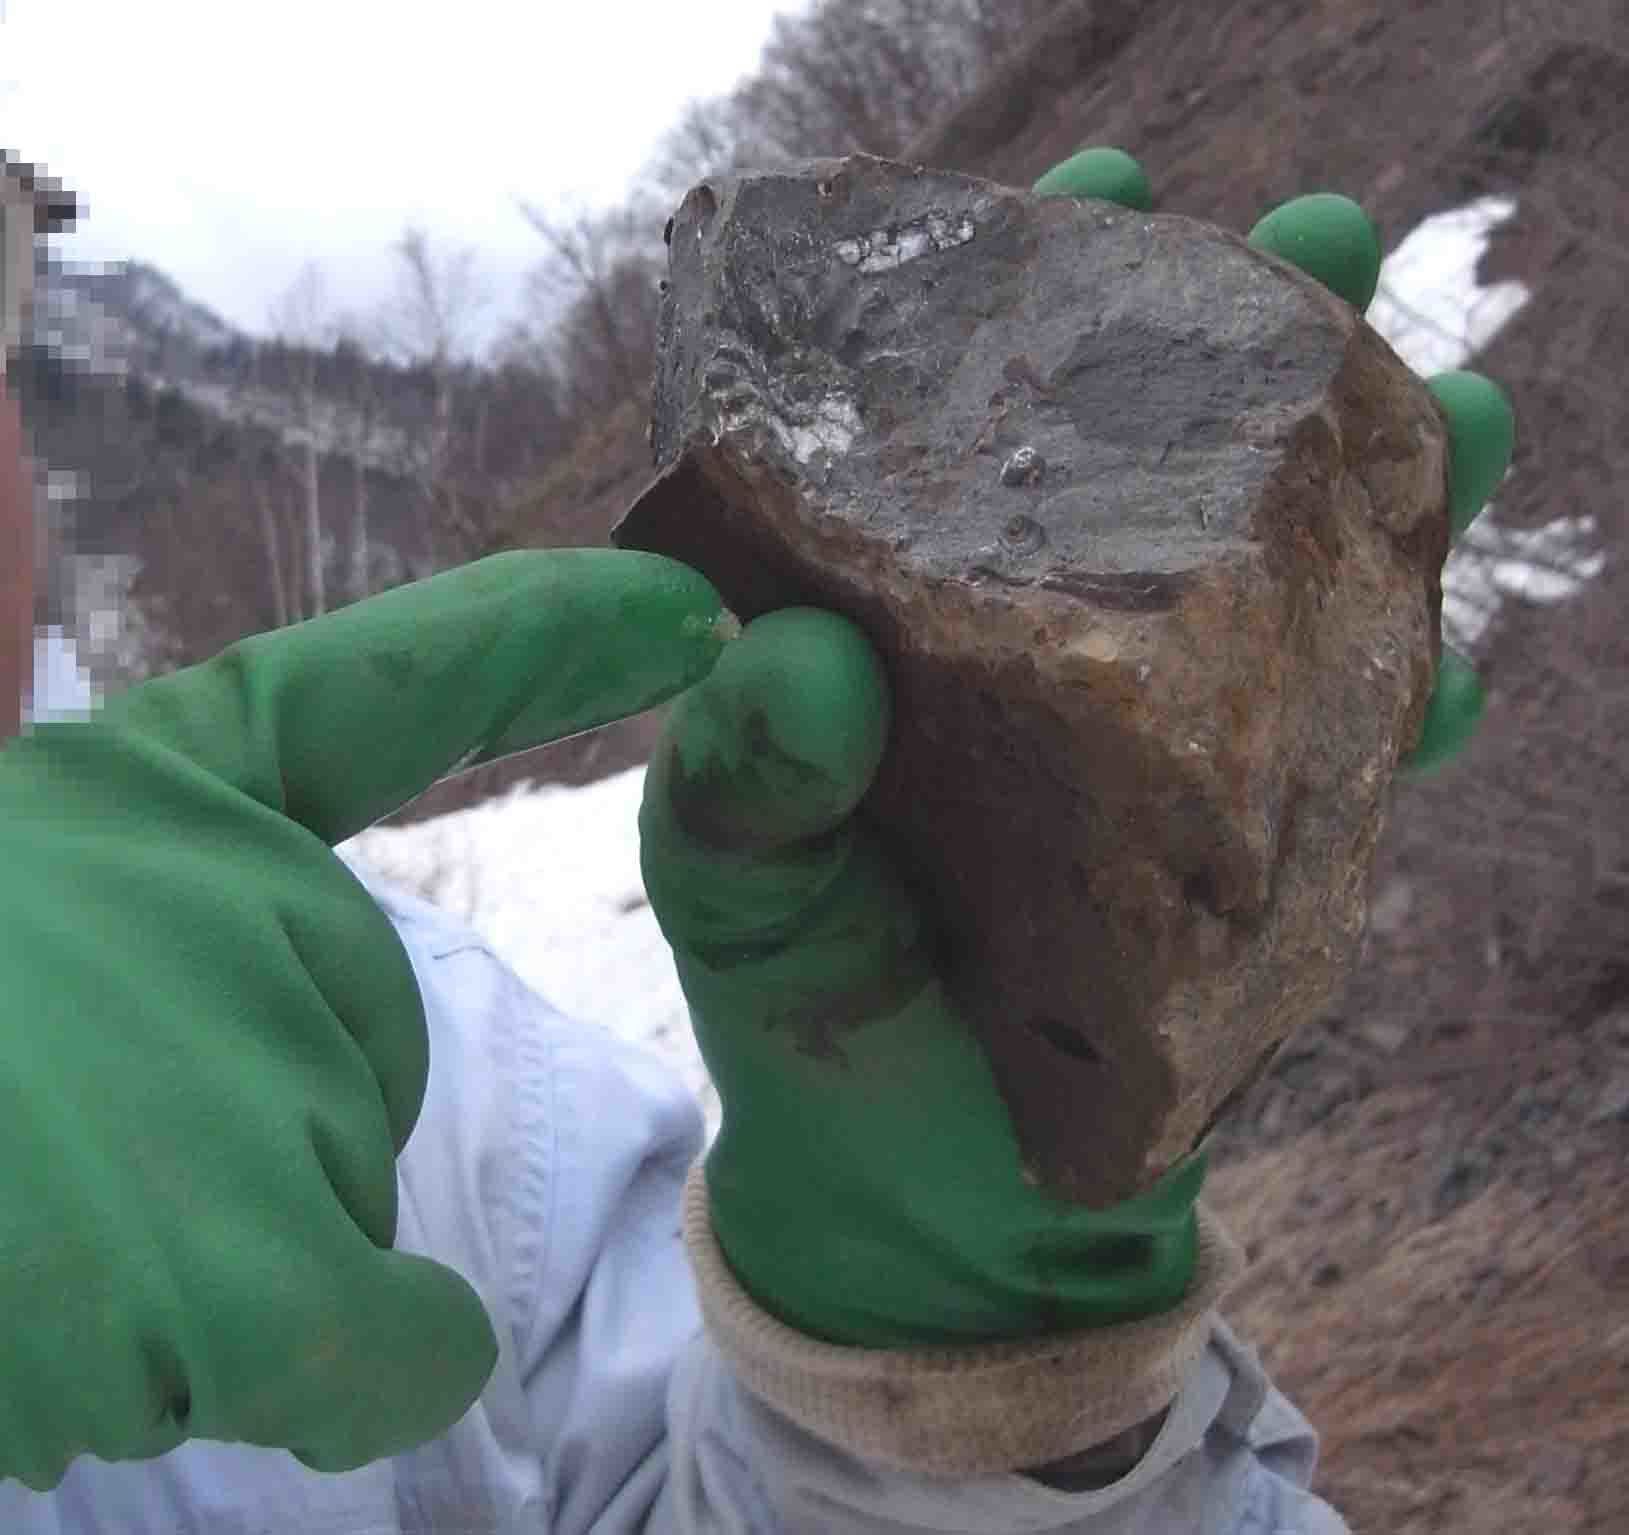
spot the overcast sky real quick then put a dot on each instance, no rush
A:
(230, 141)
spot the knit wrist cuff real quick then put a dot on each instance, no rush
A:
(960, 1412)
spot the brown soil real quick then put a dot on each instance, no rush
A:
(1428, 1182)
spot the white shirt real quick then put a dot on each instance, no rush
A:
(61, 690)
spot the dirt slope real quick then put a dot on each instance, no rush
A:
(1429, 1181)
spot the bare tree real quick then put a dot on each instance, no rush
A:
(270, 534)
(257, 471)
(440, 297)
(842, 75)
(432, 324)
(870, 75)
(597, 292)
(523, 426)
(301, 321)
(358, 385)
(710, 137)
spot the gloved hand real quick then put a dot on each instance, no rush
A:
(211, 1041)
(866, 1186)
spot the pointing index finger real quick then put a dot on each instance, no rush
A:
(341, 720)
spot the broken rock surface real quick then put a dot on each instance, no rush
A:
(1148, 528)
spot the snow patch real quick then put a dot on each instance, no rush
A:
(1429, 305)
(1437, 317)
(549, 877)
(1542, 565)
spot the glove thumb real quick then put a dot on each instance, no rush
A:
(417, 1334)
(749, 793)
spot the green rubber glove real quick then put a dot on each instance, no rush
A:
(866, 1184)
(211, 1041)
(1331, 238)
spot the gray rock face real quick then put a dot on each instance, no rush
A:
(1148, 528)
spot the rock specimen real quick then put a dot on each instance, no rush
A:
(1148, 528)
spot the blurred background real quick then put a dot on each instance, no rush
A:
(341, 296)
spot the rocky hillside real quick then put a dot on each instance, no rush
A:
(133, 320)
(1428, 1182)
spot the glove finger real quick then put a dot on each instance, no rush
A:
(1330, 238)
(1481, 441)
(749, 792)
(339, 721)
(81, 1384)
(349, 948)
(1109, 175)
(400, 1357)
(1451, 717)
(790, 928)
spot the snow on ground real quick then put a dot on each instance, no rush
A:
(550, 876)
(1429, 305)
(1431, 309)
(1544, 565)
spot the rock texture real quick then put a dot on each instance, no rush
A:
(1148, 528)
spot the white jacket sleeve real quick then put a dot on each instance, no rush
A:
(546, 1167)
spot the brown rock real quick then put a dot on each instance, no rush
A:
(1148, 527)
